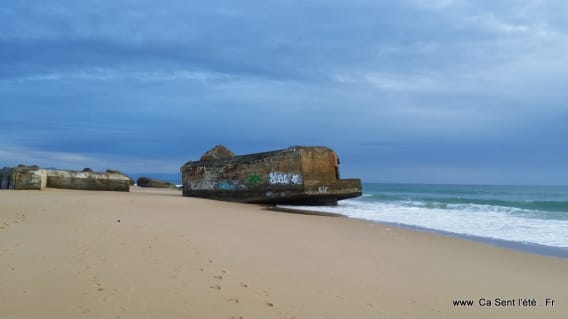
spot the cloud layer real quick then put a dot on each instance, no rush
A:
(411, 91)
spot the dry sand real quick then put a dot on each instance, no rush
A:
(64, 254)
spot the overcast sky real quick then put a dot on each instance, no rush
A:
(438, 91)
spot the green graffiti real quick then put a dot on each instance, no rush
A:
(254, 179)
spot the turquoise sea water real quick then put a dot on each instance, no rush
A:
(522, 214)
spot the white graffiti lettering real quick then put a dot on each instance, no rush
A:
(285, 178)
(323, 189)
(296, 179)
(202, 185)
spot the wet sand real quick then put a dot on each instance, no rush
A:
(155, 254)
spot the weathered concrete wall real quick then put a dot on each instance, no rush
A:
(320, 165)
(34, 179)
(7, 177)
(340, 189)
(22, 177)
(87, 180)
(264, 171)
(279, 176)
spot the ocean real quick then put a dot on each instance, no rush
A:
(531, 218)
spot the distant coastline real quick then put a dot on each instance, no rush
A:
(172, 178)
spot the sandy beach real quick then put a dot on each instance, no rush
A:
(152, 253)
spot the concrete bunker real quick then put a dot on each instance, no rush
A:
(307, 175)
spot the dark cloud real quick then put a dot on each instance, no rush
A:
(399, 89)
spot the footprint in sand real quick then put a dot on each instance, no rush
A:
(216, 287)
(98, 285)
(233, 300)
(218, 277)
(84, 310)
(20, 218)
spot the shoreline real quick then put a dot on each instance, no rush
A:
(528, 247)
(153, 253)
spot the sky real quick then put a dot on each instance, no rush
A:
(410, 91)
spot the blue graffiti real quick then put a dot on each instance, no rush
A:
(226, 186)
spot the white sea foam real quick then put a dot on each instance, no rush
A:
(505, 223)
